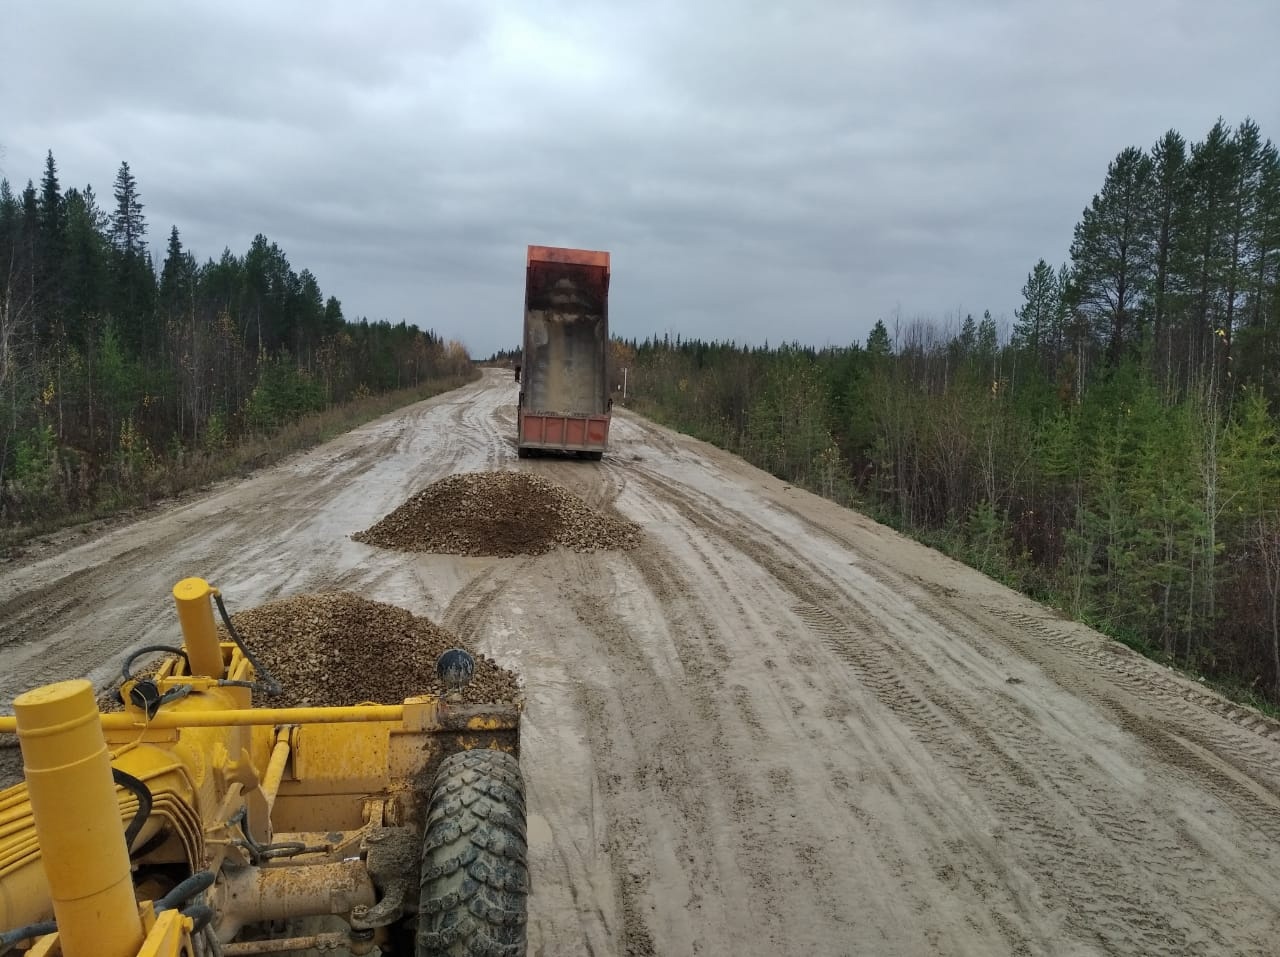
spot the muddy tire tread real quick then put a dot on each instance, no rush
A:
(474, 871)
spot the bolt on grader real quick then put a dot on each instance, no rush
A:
(193, 823)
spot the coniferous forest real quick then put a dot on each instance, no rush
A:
(122, 379)
(1112, 449)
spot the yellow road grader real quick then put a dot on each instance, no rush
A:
(193, 823)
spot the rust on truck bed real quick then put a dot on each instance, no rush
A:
(558, 254)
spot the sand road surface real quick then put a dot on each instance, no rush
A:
(774, 728)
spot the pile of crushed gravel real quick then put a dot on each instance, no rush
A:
(336, 648)
(498, 513)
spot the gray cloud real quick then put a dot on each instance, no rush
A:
(759, 171)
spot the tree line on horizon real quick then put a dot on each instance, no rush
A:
(114, 368)
(1114, 453)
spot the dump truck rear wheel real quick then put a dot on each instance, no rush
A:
(595, 456)
(523, 452)
(475, 872)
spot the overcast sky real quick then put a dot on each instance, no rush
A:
(759, 171)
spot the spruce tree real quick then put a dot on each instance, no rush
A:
(10, 227)
(1250, 474)
(968, 337)
(1035, 319)
(88, 266)
(26, 260)
(177, 278)
(134, 276)
(878, 344)
(51, 248)
(128, 225)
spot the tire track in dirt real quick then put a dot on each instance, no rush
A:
(794, 701)
(1141, 676)
(1138, 673)
(1014, 784)
(668, 783)
(1162, 847)
(1165, 859)
(1251, 775)
(472, 603)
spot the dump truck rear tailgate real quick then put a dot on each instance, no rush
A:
(564, 402)
(543, 430)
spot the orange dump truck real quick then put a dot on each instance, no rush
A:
(564, 397)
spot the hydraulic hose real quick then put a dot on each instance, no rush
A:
(19, 934)
(265, 852)
(201, 914)
(127, 671)
(269, 683)
(182, 892)
(139, 790)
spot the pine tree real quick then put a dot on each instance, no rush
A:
(1111, 253)
(1246, 147)
(1202, 253)
(1060, 322)
(1169, 186)
(1257, 339)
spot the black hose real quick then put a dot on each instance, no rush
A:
(269, 683)
(158, 838)
(197, 883)
(266, 852)
(143, 793)
(19, 934)
(127, 671)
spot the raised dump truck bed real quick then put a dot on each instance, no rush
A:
(564, 400)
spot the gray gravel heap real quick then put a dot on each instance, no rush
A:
(498, 513)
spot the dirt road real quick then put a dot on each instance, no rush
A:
(775, 728)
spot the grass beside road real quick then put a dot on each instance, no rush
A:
(190, 471)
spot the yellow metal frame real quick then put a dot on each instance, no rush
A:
(225, 778)
(77, 821)
(195, 615)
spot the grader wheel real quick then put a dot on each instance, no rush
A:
(475, 874)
